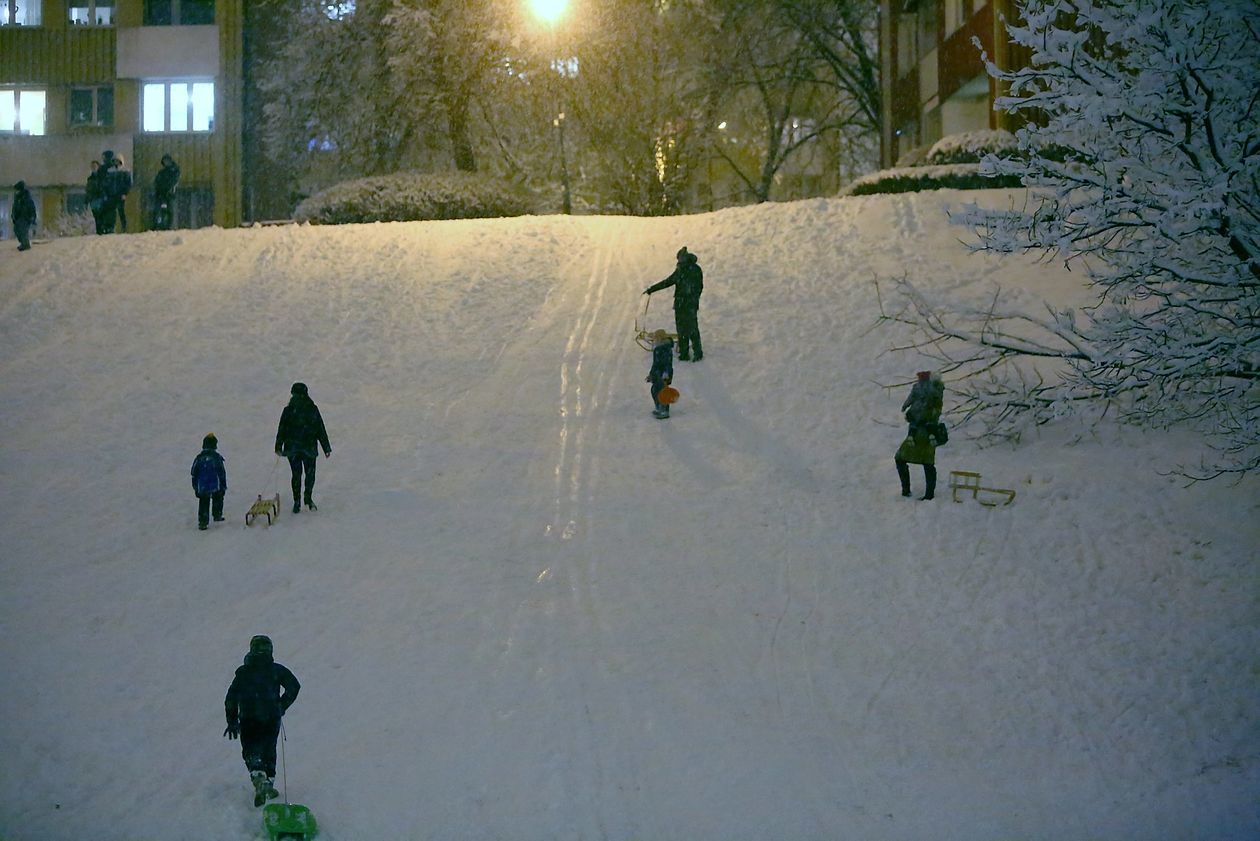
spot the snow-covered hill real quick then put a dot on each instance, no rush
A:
(528, 610)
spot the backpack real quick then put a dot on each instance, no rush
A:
(207, 474)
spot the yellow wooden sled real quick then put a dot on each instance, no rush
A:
(269, 508)
(966, 481)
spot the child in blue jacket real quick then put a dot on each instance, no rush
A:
(662, 373)
(209, 481)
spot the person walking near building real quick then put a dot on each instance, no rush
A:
(95, 195)
(23, 215)
(164, 194)
(300, 432)
(688, 282)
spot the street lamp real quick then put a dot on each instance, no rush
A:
(549, 12)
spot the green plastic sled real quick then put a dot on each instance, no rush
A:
(288, 822)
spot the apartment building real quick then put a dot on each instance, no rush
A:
(142, 78)
(933, 80)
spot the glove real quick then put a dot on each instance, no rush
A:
(648, 378)
(328, 453)
(645, 292)
(668, 380)
(233, 730)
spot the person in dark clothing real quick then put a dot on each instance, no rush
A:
(117, 183)
(688, 282)
(209, 481)
(164, 194)
(96, 195)
(300, 431)
(922, 411)
(662, 371)
(23, 215)
(261, 691)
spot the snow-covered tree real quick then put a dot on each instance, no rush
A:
(1142, 157)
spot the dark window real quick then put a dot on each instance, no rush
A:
(178, 12)
(92, 106)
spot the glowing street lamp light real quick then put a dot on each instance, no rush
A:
(549, 11)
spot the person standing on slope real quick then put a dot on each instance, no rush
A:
(261, 691)
(209, 481)
(688, 282)
(661, 373)
(23, 215)
(923, 411)
(300, 432)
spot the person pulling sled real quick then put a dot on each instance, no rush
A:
(299, 434)
(688, 282)
(261, 691)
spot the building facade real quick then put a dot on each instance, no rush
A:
(933, 80)
(141, 78)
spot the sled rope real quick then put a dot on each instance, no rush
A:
(284, 766)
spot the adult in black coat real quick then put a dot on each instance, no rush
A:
(96, 195)
(164, 194)
(261, 691)
(23, 215)
(300, 432)
(688, 282)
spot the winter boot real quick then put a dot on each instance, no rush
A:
(310, 503)
(259, 779)
(903, 473)
(270, 789)
(929, 476)
(297, 507)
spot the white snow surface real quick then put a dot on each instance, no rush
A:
(526, 609)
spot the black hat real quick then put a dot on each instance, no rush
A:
(21, 185)
(298, 388)
(682, 252)
(260, 644)
(209, 442)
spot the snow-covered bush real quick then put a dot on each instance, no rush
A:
(970, 147)
(914, 179)
(1152, 193)
(414, 196)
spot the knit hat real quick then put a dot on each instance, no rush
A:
(682, 252)
(923, 375)
(21, 185)
(660, 335)
(210, 442)
(260, 644)
(298, 388)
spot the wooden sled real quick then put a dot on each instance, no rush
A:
(269, 508)
(966, 481)
(642, 335)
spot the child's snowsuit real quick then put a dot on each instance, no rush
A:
(209, 482)
(662, 373)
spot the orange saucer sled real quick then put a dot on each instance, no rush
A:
(667, 395)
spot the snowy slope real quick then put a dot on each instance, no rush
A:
(528, 610)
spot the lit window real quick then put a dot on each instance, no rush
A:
(22, 111)
(92, 106)
(178, 12)
(20, 12)
(178, 106)
(92, 12)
